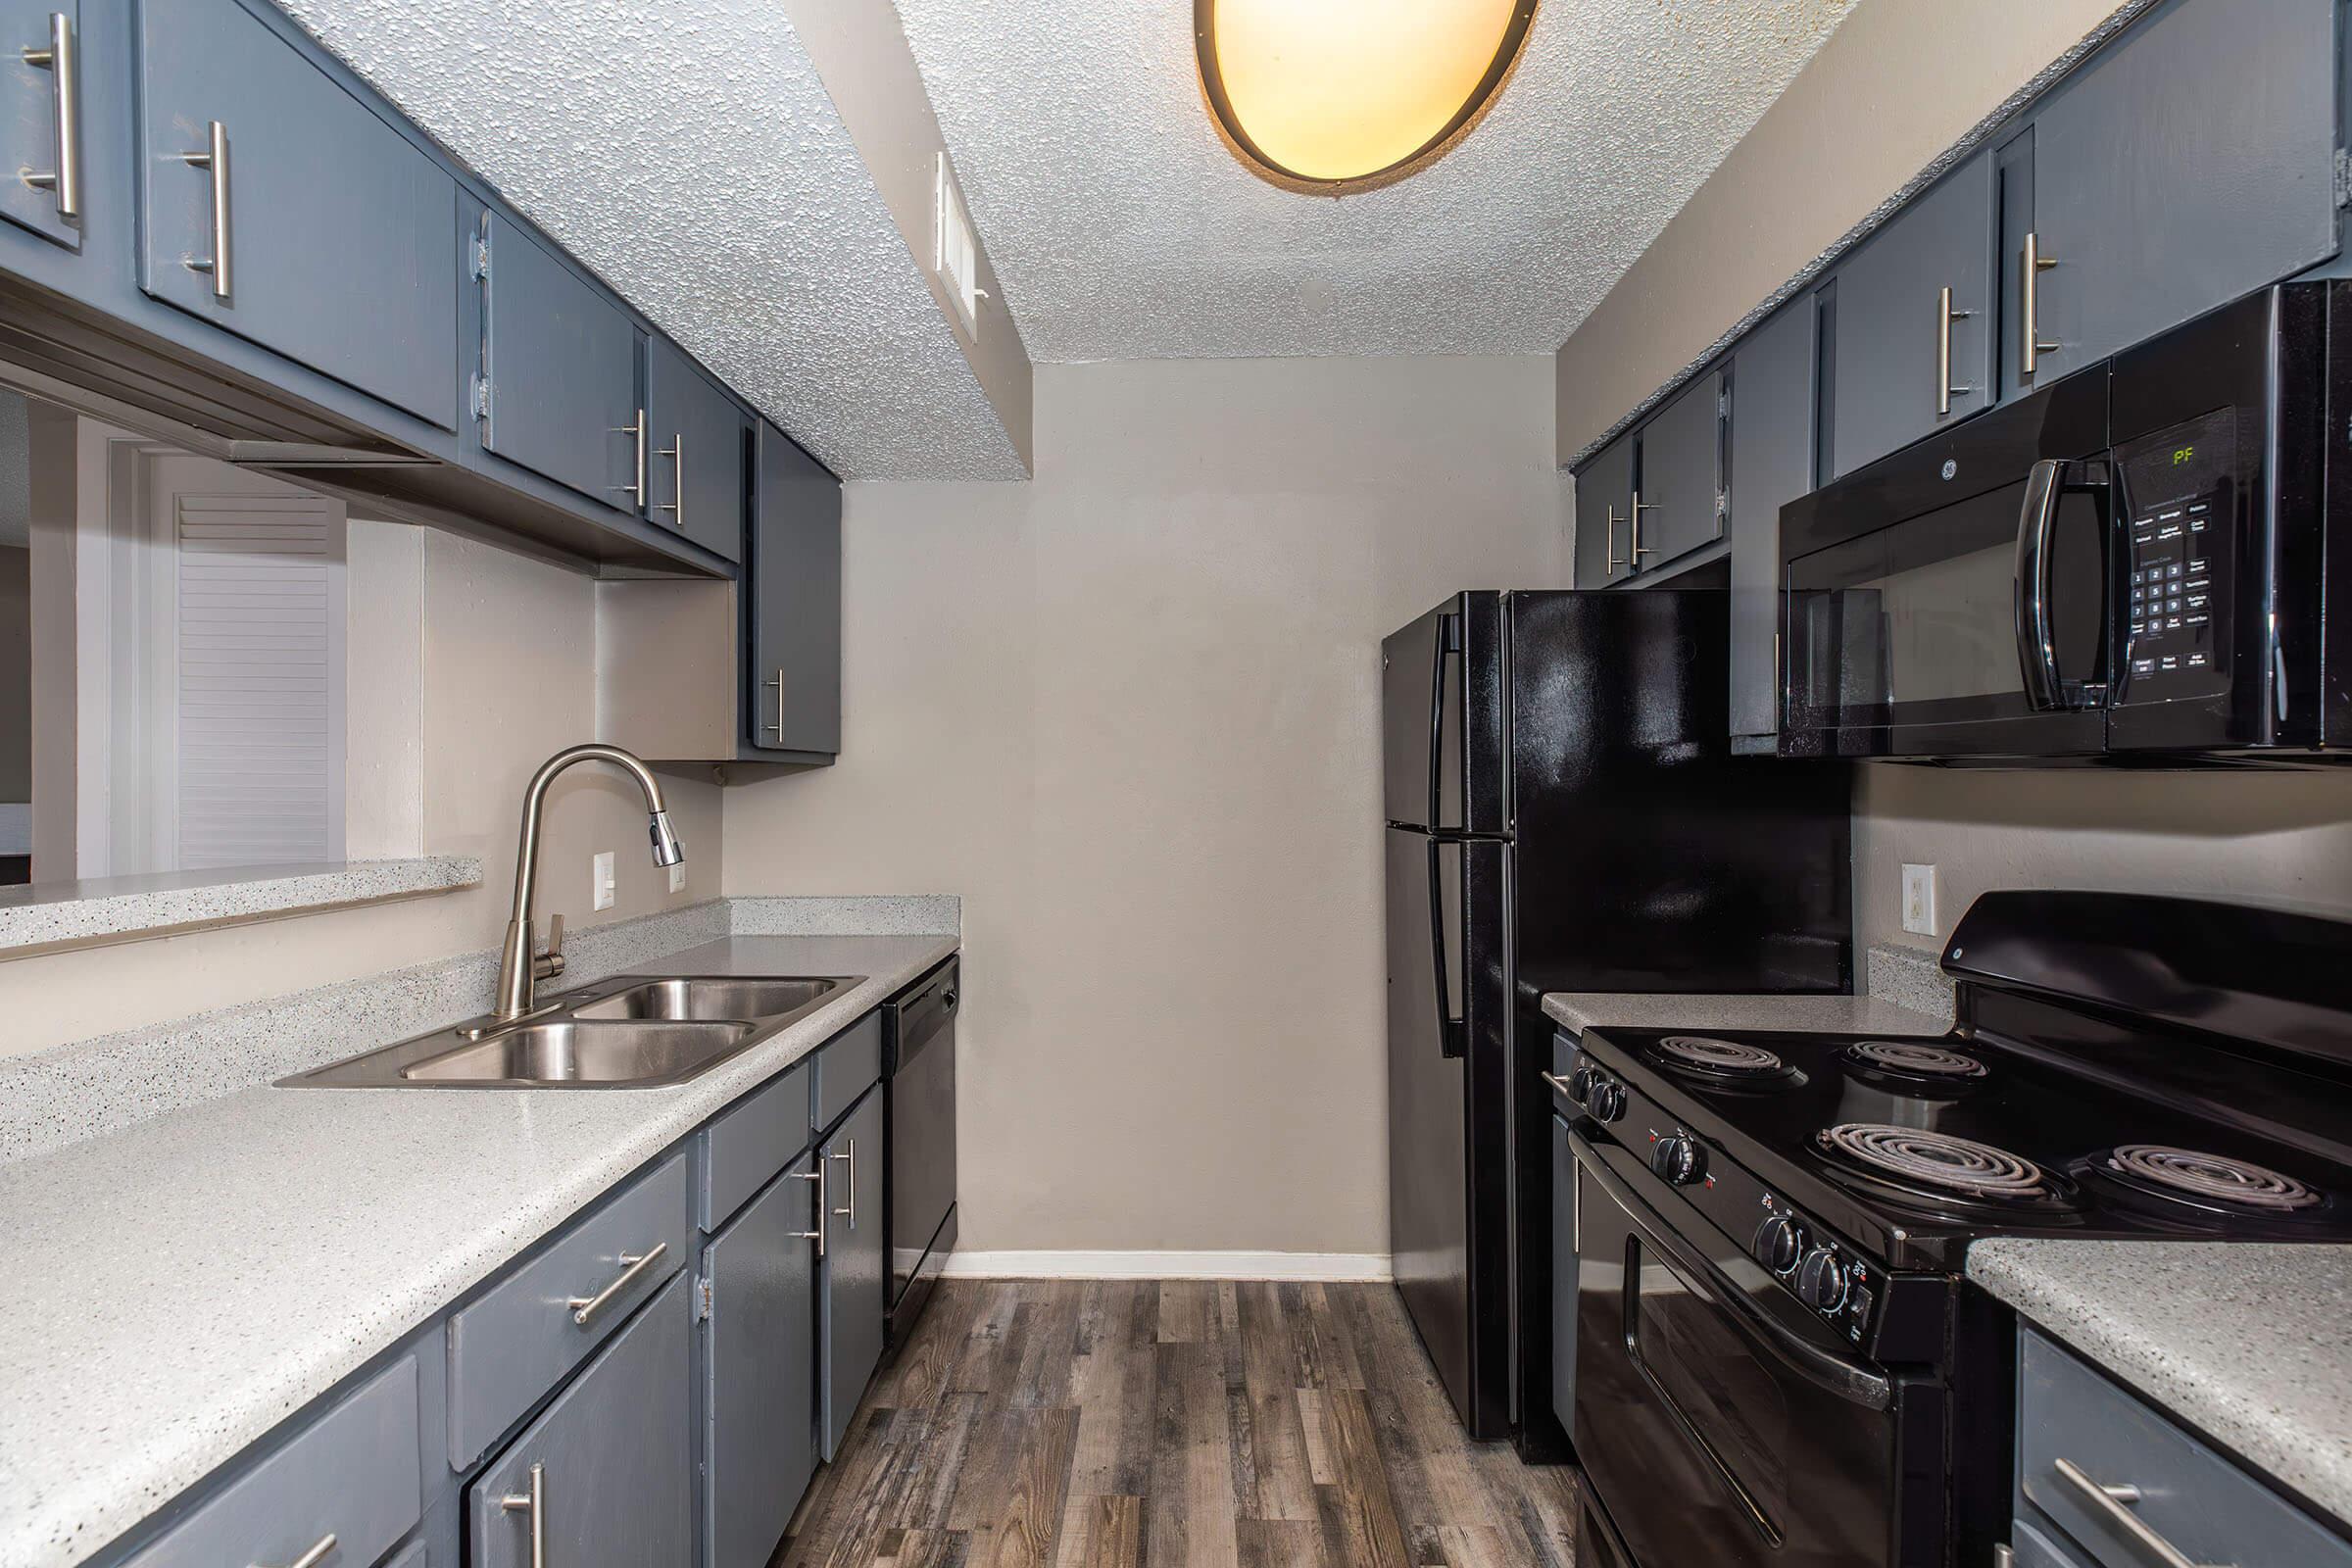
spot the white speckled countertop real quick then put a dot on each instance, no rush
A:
(183, 1284)
(2248, 1342)
(1858, 1015)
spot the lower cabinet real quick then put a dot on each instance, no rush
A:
(857, 1273)
(760, 1369)
(604, 1477)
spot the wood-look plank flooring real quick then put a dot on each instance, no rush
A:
(1179, 1424)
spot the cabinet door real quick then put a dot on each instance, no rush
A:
(1605, 507)
(795, 593)
(341, 235)
(614, 1455)
(696, 482)
(1681, 475)
(854, 1271)
(1891, 355)
(561, 358)
(40, 116)
(2189, 164)
(760, 1371)
(1772, 465)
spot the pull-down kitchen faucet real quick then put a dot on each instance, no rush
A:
(519, 971)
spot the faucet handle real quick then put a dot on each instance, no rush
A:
(550, 964)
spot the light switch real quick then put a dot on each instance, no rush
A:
(1919, 899)
(600, 878)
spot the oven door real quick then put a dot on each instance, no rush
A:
(1718, 1420)
(1952, 600)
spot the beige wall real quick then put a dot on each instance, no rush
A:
(1128, 712)
(504, 677)
(1899, 81)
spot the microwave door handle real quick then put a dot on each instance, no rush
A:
(1856, 1381)
(2037, 645)
(1452, 1031)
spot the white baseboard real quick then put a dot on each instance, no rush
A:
(1329, 1267)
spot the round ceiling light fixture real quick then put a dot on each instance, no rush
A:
(1334, 95)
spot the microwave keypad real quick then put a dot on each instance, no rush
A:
(2173, 646)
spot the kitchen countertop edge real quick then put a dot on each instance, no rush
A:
(1841, 1014)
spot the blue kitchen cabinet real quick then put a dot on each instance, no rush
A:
(1772, 448)
(793, 594)
(760, 1399)
(281, 207)
(1913, 348)
(2191, 163)
(856, 1269)
(1604, 509)
(560, 372)
(694, 483)
(1677, 492)
(41, 115)
(603, 1478)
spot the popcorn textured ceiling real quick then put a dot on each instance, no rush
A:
(686, 151)
(1123, 228)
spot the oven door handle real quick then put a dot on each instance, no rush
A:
(1856, 1381)
(2036, 517)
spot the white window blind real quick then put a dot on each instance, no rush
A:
(259, 697)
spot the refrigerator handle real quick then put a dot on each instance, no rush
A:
(1437, 725)
(1452, 1031)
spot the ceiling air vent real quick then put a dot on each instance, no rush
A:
(956, 254)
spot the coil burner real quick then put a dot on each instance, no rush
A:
(2212, 1179)
(1728, 1062)
(1940, 1163)
(1914, 1059)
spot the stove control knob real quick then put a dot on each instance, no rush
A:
(1820, 1279)
(1780, 1245)
(1579, 1084)
(1605, 1099)
(1679, 1159)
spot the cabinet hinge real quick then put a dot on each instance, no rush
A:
(701, 1299)
(481, 397)
(2343, 177)
(481, 257)
(1722, 504)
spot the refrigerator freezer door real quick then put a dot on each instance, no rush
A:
(1441, 719)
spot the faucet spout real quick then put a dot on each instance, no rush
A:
(518, 968)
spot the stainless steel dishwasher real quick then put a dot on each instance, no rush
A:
(918, 1108)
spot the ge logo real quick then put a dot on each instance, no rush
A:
(1950, 467)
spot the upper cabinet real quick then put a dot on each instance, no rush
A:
(283, 209)
(1913, 342)
(1771, 445)
(1604, 506)
(40, 118)
(793, 588)
(559, 373)
(2192, 162)
(1677, 499)
(696, 481)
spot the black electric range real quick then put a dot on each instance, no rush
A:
(1775, 1359)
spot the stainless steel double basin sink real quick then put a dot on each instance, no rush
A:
(629, 1033)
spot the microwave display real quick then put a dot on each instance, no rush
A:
(2176, 514)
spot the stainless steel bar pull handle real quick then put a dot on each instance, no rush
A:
(817, 1234)
(850, 1213)
(315, 1555)
(2032, 265)
(1557, 1082)
(634, 1264)
(777, 681)
(636, 431)
(1610, 543)
(534, 1503)
(2114, 1504)
(220, 263)
(1640, 549)
(1945, 315)
(63, 63)
(676, 453)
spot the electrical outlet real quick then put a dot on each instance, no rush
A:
(677, 877)
(599, 881)
(1919, 899)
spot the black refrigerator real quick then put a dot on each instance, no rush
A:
(1563, 813)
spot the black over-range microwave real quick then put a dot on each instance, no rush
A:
(2131, 565)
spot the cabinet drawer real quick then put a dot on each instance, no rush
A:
(612, 1459)
(513, 1344)
(755, 1140)
(2203, 1504)
(848, 1067)
(2030, 1547)
(353, 1474)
